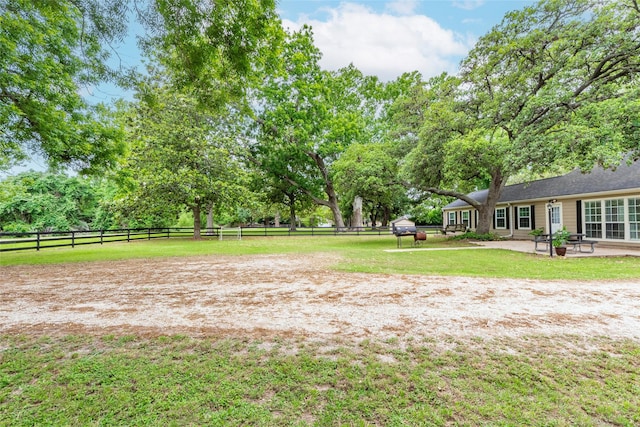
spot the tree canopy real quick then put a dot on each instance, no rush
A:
(531, 95)
(46, 201)
(370, 171)
(53, 52)
(307, 117)
(214, 49)
(553, 86)
(49, 53)
(180, 157)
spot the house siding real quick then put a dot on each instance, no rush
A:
(572, 216)
(625, 196)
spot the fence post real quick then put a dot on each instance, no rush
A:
(101, 236)
(73, 239)
(37, 240)
(149, 233)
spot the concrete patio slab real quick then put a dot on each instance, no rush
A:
(529, 247)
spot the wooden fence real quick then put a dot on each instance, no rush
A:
(10, 241)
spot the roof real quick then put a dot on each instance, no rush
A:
(574, 183)
(402, 219)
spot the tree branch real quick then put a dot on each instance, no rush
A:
(315, 199)
(455, 194)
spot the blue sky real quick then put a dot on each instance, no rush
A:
(389, 37)
(380, 37)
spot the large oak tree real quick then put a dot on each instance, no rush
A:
(180, 157)
(555, 83)
(307, 117)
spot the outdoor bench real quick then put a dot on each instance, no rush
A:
(576, 241)
(541, 239)
(454, 228)
(577, 244)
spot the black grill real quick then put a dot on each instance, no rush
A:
(404, 230)
(408, 230)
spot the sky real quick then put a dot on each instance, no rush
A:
(389, 37)
(379, 37)
(384, 38)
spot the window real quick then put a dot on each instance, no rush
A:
(465, 218)
(501, 218)
(452, 218)
(634, 219)
(614, 219)
(593, 219)
(524, 217)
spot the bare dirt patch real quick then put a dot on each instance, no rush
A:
(300, 296)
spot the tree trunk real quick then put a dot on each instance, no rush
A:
(331, 203)
(337, 215)
(485, 211)
(292, 217)
(485, 219)
(386, 216)
(276, 219)
(356, 218)
(332, 198)
(209, 220)
(196, 221)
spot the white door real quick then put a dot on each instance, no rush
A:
(556, 217)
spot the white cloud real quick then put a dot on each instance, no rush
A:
(402, 7)
(383, 44)
(468, 4)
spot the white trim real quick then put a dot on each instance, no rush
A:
(518, 216)
(560, 224)
(504, 218)
(596, 195)
(468, 224)
(603, 218)
(628, 219)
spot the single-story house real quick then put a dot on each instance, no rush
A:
(401, 222)
(603, 204)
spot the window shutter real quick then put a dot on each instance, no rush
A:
(533, 217)
(494, 220)
(579, 216)
(476, 218)
(515, 219)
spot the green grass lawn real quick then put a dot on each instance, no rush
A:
(358, 254)
(560, 381)
(220, 381)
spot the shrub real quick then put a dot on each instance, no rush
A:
(470, 235)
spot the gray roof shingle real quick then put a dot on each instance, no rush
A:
(574, 183)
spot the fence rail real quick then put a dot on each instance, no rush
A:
(10, 241)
